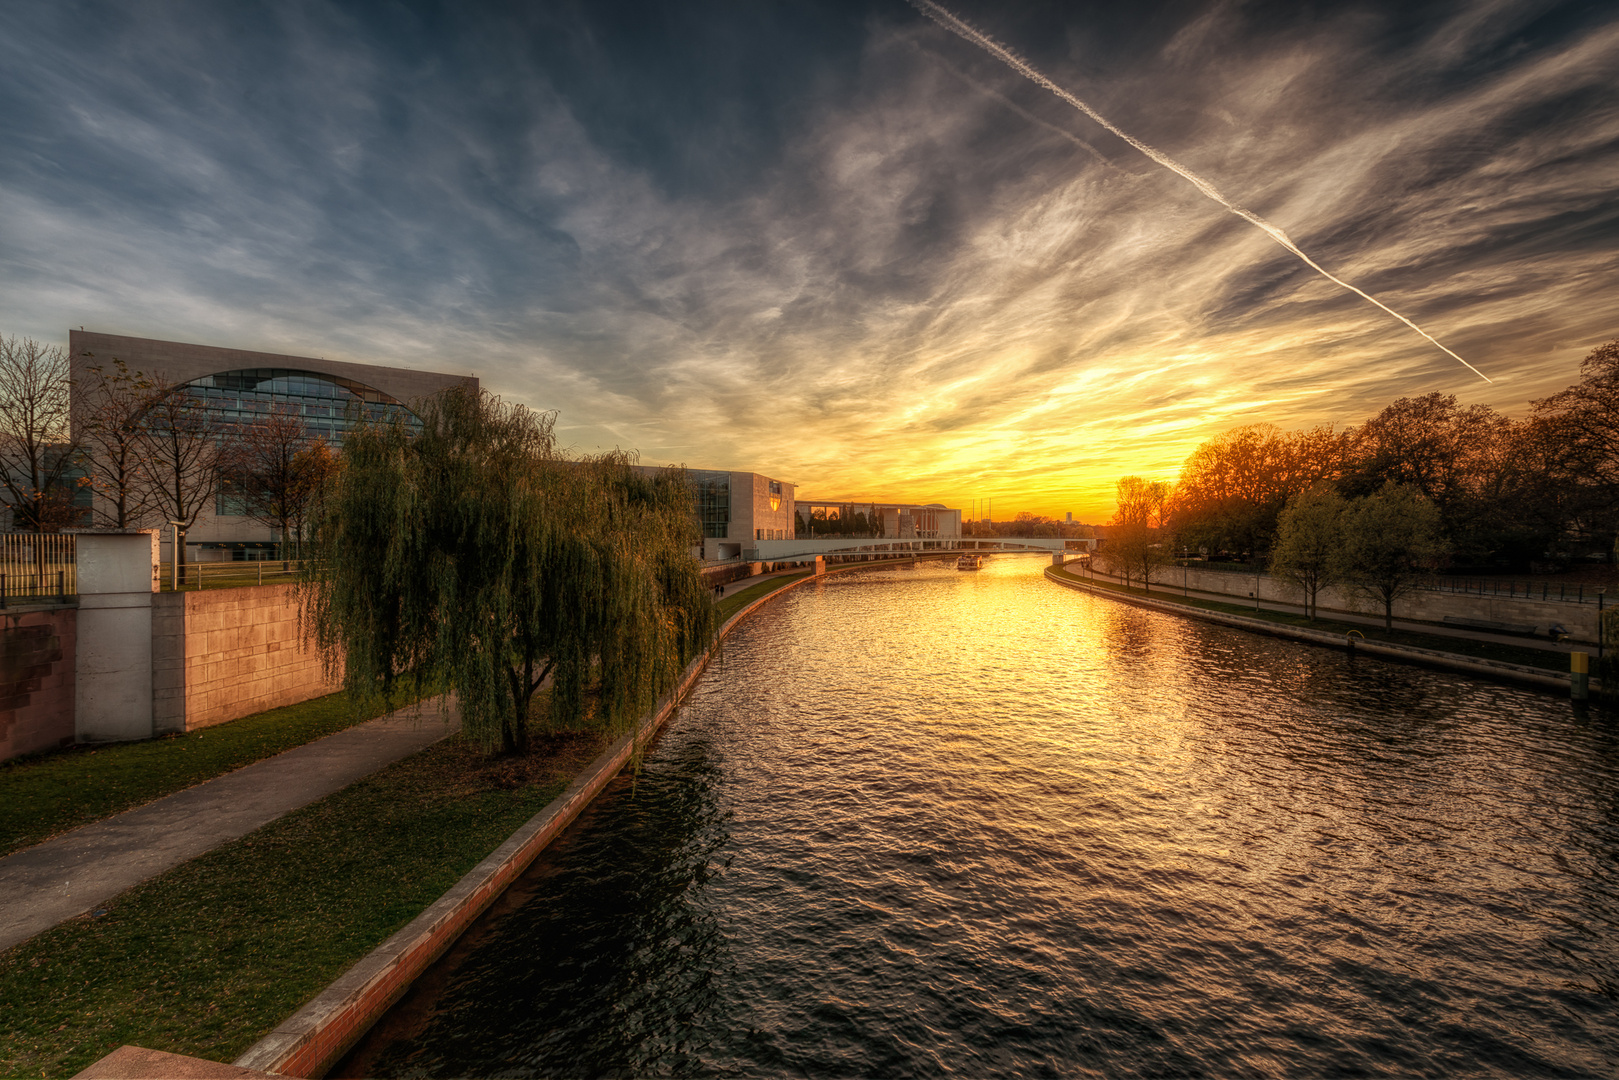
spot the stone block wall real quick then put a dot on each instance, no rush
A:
(222, 654)
(37, 651)
(1579, 620)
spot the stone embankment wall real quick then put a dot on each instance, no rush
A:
(37, 651)
(222, 654)
(1580, 620)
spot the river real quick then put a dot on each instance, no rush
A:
(933, 823)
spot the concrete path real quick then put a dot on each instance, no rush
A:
(73, 873)
(748, 582)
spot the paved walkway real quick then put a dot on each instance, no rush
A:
(1168, 590)
(73, 873)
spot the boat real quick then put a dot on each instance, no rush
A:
(970, 562)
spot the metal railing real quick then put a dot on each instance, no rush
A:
(1503, 588)
(1518, 589)
(37, 567)
(229, 575)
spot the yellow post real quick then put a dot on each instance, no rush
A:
(1579, 678)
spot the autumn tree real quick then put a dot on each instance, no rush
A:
(1391, 541)
(37, 455)
(468, 557)
(1457, 457)
(110, 415)
(315, 469)
(1134, 548)
(1309, 542)
(1581, 425)
(1233, 486)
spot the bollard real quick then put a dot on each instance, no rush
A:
(1579, 677)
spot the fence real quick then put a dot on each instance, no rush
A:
(1504, 588)
(1510, 589)
(37, 566)
(229, 575)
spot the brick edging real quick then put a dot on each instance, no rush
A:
(315, 1037)
(1494, 669)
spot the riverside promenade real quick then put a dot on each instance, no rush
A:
(1169, 590)
(72, 874)
(1547, 678)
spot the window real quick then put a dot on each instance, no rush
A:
(713, 491)
(327, 404)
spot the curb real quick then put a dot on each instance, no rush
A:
(314, 1038)
(1494, 669)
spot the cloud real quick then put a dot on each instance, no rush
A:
(898, 272)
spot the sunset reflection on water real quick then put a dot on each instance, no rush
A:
(922, 822)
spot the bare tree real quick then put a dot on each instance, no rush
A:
(36, 448)
(1134, 546)
(271, 466)
(185, 457)
(110, 413)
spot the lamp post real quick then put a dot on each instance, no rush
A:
(1601, 634)
(174, 557)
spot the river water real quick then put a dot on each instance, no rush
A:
(927, 823)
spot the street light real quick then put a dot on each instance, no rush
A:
(174, 575)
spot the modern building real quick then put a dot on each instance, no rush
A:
(888, 520)
(737, 509)
(237, 386)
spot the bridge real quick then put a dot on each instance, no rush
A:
(845, 547)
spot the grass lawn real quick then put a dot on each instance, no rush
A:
(47, 794)
(737, 601)
(211, 956)
(1526, 655)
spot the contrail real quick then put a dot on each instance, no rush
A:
(970, 33)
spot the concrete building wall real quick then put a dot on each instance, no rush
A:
(37, 651)
(183, 362)
(751, 512)
(219, 655)
(117, 575)
(1580, 620)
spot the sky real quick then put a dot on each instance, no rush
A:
(835, 242)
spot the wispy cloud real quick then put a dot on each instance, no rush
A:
(931, 282)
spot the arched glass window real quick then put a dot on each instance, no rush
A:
(323, 401)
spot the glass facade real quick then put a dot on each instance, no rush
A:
(327, 404)
(713, 491)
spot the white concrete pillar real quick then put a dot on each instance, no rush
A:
(118, 573)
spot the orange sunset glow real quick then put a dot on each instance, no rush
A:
(895, 266)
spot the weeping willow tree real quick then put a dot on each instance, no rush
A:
(468, 557)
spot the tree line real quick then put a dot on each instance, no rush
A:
(1424, 484)
(146, 450)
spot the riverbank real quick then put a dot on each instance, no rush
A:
(47, 794)
(1479, 658)
(207, 958)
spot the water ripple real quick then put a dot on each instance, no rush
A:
(923, 823)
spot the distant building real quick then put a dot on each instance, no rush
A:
(738, 509)
(238, 386)
(888, 520)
